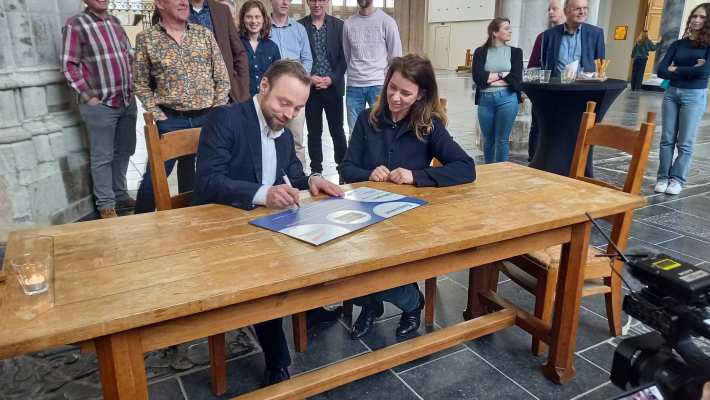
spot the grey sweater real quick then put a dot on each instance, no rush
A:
(369, 44)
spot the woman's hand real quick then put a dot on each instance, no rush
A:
(401, 176)
(379, 174)
(492, 77)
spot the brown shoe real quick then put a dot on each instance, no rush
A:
(128, 202)
(108, 213)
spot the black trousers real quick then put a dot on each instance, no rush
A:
(273, 342)
(637, 71)
(332, 103)
(532, 136)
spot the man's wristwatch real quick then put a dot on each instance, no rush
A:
(312, 175)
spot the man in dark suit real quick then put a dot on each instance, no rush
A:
(572, 41)
(325, 34)
(218, 18)
(243, 149)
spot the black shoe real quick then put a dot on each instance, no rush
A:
(367, 317)
(409, 322)
(273, 376)
(322, 316)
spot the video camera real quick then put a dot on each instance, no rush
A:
(673, 302)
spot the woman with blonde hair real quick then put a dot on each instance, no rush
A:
(639, 54)
(396, 141)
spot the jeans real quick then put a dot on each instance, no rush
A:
(682, 111)
(112, 142)
(145, 202)
(329, 101)
(406, 297)
(273, 343)
(355, 99)
(496, 115)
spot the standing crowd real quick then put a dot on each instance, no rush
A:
(252, 87)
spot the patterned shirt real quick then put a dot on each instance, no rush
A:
(96, 58)
(202, 17)
(189, 75)
(321, 64)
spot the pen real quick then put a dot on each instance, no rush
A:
(288, 182)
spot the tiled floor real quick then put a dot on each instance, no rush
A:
(499, 365)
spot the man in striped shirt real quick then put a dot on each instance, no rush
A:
(96, 60)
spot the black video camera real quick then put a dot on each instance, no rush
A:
(673, 303)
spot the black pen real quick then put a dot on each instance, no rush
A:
(288, 182)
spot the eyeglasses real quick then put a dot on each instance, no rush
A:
(580, 9)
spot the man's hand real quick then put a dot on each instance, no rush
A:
(379, 174)
(401, 176)
(94, 101)
(281, 196)
(325, 82)
(319, 185)
(672, 67)
(700, 62)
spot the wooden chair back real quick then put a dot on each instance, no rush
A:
(167, 147)
(635, 143)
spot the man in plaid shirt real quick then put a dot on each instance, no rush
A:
(96, 60)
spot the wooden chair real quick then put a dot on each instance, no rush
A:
(168, 147)
(537, 272)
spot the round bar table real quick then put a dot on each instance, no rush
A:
(559, 108)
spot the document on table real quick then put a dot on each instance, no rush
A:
(319, 222)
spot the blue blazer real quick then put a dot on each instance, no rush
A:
(592, 47)
(229, 157)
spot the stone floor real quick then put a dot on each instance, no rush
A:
(497, 366)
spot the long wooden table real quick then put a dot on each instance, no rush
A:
(139, 283)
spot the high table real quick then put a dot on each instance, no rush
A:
(558, 108)
(128, 285)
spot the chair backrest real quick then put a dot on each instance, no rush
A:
(167, 147)
(635, 143)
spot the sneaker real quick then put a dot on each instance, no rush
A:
(674, 187)
(128, 202)
(108, 213)
(661, 186)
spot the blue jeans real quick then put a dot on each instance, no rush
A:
(406, 297)
(355, 100)
(145, 202)
(682, 111)
(496, 116)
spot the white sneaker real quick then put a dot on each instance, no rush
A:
(661, 186)
(674, 187)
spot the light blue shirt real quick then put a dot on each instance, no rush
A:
(570, 48)
(293, 43)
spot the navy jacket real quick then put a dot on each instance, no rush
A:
(592, 47)
(229, 157)
(480, 75)
(685, 56)
(396, 145)
(336, 56)
(267, 53)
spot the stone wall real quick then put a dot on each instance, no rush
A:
(44, 175)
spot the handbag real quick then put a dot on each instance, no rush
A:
(665, 84)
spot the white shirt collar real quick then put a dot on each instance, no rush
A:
(263, 126)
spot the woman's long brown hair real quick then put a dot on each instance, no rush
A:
(418, 70)
(493, 27)
(265, 29)
(702, 39)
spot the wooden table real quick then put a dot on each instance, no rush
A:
(139, 283)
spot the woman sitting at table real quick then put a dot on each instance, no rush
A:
(396, 141)
(498, 73)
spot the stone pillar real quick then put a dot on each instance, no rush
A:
(412, 22)
(44, 174)
(671, 24)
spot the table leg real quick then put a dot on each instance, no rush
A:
(481, 279)
(563, 338)
(121, 366)
(218, 363)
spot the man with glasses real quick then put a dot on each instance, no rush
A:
(572, 41)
